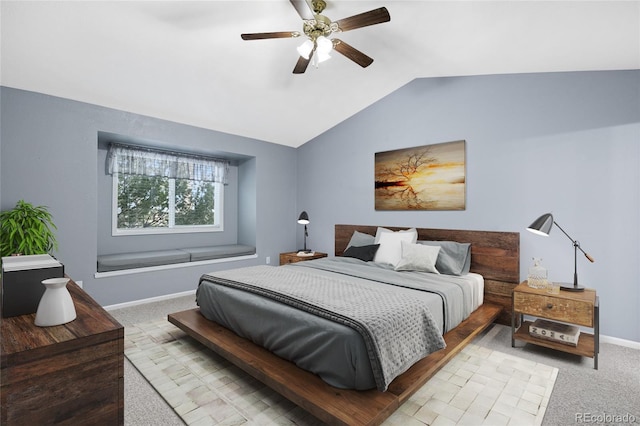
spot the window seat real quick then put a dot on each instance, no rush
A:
(121, 261)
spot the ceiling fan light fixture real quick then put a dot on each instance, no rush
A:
(305, 48)
(324, 45)
(323, 50)
(323, 57)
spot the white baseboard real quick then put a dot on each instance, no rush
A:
(149, 300)
(620, 342)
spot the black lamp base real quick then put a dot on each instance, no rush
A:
(570, 287)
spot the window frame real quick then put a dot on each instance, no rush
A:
(172, 228)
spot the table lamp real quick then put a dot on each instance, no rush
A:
(303, 219)
(542, 226)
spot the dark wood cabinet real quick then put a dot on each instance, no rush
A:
(66, 374)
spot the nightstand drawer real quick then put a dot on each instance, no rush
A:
(555, 308)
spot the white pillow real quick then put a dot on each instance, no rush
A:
(418, 257)
(390, 250)
(382, 230)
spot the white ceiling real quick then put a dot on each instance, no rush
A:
(185, 61)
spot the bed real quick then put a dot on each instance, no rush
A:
(369, 392)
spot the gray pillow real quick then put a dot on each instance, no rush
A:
(359, 239)
(454, 258)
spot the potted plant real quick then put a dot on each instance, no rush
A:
(27, 230)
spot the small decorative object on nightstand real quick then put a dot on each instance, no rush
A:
(295, 256)
(568, 307)
(537, 277)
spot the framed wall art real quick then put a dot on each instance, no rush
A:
(428, 177)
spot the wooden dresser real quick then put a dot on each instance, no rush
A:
(66, 374)
(577, 308)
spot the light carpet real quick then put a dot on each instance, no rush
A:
(478, 386)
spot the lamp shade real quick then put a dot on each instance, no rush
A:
(305, 49)
(303, 219)
(322, 56)
(542, 225)
(324, 44)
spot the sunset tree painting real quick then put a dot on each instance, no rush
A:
(430, 177)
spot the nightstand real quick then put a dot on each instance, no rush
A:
(575, 308)
(292, 257)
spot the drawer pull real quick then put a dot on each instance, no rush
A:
(549, 305)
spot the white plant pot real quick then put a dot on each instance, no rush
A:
(56, 306)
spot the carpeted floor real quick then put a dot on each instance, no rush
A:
(479, 386)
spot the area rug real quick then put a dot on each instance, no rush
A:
(478, 386)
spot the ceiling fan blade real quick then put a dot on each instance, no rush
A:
(352, 53)
(372, 17)
(303, 9)
(262, 36)
(302, 64)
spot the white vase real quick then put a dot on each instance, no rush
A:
(56, 306)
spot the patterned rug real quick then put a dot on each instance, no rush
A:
(478, 386)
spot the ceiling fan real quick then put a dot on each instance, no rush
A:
(318, 28)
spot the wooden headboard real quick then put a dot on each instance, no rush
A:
(494, 255)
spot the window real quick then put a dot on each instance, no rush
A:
(152, 204)
(155, 192)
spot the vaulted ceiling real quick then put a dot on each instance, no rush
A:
(185, 61)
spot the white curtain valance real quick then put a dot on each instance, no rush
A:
(150, 162)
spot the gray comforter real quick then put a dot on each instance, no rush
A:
(455, 292)
(398, 329)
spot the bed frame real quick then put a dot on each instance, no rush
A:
(495, 255)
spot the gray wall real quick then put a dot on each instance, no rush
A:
(566, 143)
(49, 156)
